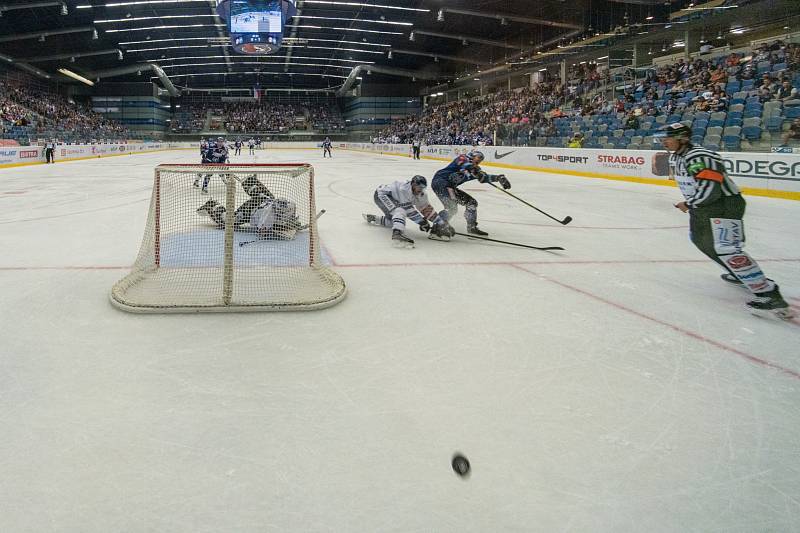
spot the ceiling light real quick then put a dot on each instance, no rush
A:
(94, 34)
(649, 17)
(119, 55)
(41, 38)
(390, 54)
(76, 76)
(411, 36)
(464, 42)
(440, 16)
(130, 18)
(72, 59)
(503, 22)
(64, 10)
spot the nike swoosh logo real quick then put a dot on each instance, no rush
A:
(501, 156)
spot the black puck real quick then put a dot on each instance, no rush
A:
(460, 465)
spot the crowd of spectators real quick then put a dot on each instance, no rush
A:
(477, 121)
(325, 118)
(261, 116)
(189, 120)
(50, 115)
(518, 116)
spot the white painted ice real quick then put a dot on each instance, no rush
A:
(617, 386)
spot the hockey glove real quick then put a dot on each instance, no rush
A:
(503, 180)
(443, 230)
(425, 225)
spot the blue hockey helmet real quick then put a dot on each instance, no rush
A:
(475, 154)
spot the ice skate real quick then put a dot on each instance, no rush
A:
(733, 280)
(474, 230)
(371, 219)
(399, 240)
(767, 304)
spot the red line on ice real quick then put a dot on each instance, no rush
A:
(744, 355)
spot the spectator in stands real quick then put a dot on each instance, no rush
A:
(700, 104)
(793, 133)
(631, 122)
(576, 141)
(786, 91)
(732, 60)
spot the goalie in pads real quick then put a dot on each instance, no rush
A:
(403, 199)
(263, 214)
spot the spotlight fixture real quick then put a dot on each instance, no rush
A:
(390, 54)
(41, 38)
(411, 36)
(72, 59)
(94, 34)
(464, 42)
(504, 21)
(119, 55)
(649, 16)
(440, 16)
(435, 59)
(64, 9)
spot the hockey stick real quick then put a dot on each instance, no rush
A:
(301, 228)
(546, 248)
(566, 220)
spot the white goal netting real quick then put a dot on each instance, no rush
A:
(249, 243)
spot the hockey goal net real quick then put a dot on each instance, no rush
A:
(230, 238)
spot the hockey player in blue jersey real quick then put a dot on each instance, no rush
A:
(216, 153)
(462, 169)
(326, 147)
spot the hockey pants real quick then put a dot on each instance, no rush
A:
(461, 198)
(394, 216)
(258, 193)
(718, 231)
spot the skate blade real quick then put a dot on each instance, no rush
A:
(402, 245)
(438, 238)
(781, 314)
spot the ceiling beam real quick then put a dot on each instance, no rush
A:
(506, 16)
(467, 38)
(440, 56)
(56, 57)
(45, 33)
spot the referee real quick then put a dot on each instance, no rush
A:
(716, 209)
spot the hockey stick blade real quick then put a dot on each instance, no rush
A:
(564, 222)
(544, 248)
(301, 228)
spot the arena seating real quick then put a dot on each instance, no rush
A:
(733, 102)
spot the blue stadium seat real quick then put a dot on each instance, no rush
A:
(751, 133)
(792, 112)
(775, 123)
(731, 142)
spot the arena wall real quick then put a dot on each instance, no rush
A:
(774, 175)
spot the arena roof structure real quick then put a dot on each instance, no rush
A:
(185, 43)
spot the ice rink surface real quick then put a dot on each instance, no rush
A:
(616, 386)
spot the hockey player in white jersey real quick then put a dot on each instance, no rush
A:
(716, 209)
(269, 217)
(251, 144)
(407, 199)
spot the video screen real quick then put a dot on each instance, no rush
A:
(256, 16)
